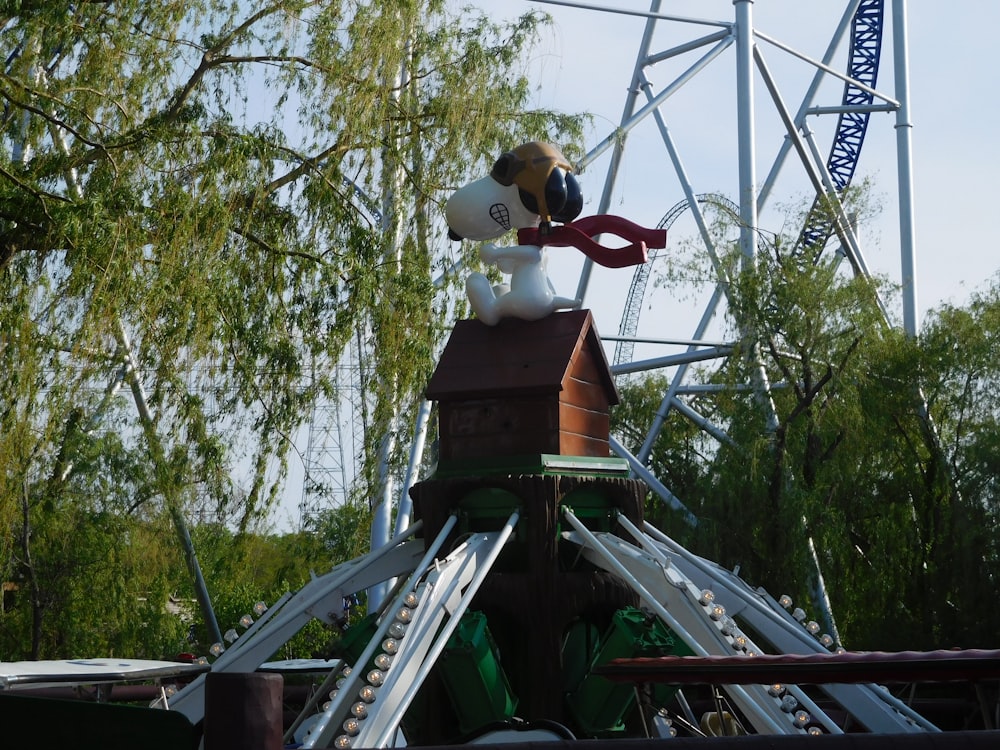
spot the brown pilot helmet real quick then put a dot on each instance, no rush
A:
(544, 179)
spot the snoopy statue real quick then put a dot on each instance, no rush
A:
(528, 189)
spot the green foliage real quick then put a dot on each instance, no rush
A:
(882, 452)
(89, 583)
(201, 204)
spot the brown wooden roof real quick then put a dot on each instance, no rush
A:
(517, 357)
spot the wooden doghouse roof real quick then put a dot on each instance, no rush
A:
(517, 357)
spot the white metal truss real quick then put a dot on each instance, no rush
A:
(322, 598)
(426, 612)
(703, 615)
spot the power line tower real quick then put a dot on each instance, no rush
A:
(336, 439)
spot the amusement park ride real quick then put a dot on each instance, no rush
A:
(529, 600)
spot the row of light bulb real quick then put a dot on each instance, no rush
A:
(375, 677)
(727, 625)
(799, 615)
(218, 648)
(790, 705)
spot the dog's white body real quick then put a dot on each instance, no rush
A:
(484, 210)
(528, 296)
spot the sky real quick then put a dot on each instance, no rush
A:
(584, 63)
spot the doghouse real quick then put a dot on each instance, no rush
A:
(523, 390)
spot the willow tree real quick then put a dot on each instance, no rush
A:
(879, 466)
(194, 198)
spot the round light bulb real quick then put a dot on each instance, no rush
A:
(367, 694)
(728, 625)
(799, 614)
(246, 621)
(216, 649)
(383, 661)
(826, 639)
(814, 731)
(326, 706)
(707, 597)
(334, 694)
(739, 641)
(717, 612)
(359, 710)
(390, 645)
(201, 661)
(785, 601)
(342, 742)
(775, 690)
(352, 726)
(411, 600)
(259, 608)
(404, 615)
(340, 682)
(812, 626)
(231, 635)
(789, 703)
(397, 630)
(801, 718)
(376, 677)
(346, 671)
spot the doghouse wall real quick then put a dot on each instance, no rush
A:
(485, 428)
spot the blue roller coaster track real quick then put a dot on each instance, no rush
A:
(866, 45)
(852, 125)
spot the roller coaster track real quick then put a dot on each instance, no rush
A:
(866, 45)
(863, 64)
(640, 279)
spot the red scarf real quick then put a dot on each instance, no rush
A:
(578, 234)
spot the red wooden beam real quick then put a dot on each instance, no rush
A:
(809, 669)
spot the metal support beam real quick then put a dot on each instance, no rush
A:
(904, 159)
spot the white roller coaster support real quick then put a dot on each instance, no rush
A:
(703, 423)
(629, 121)
(327, 725)
(640, 470)
(871, 705)
(674, 599)
(820, 177)
(617, 139)
(382, 512)
(745, 126)
(692, 355)
(904, 159)
(317, 599)
(682, 176)
(405, 506)
(477, 559)
(679, 375)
